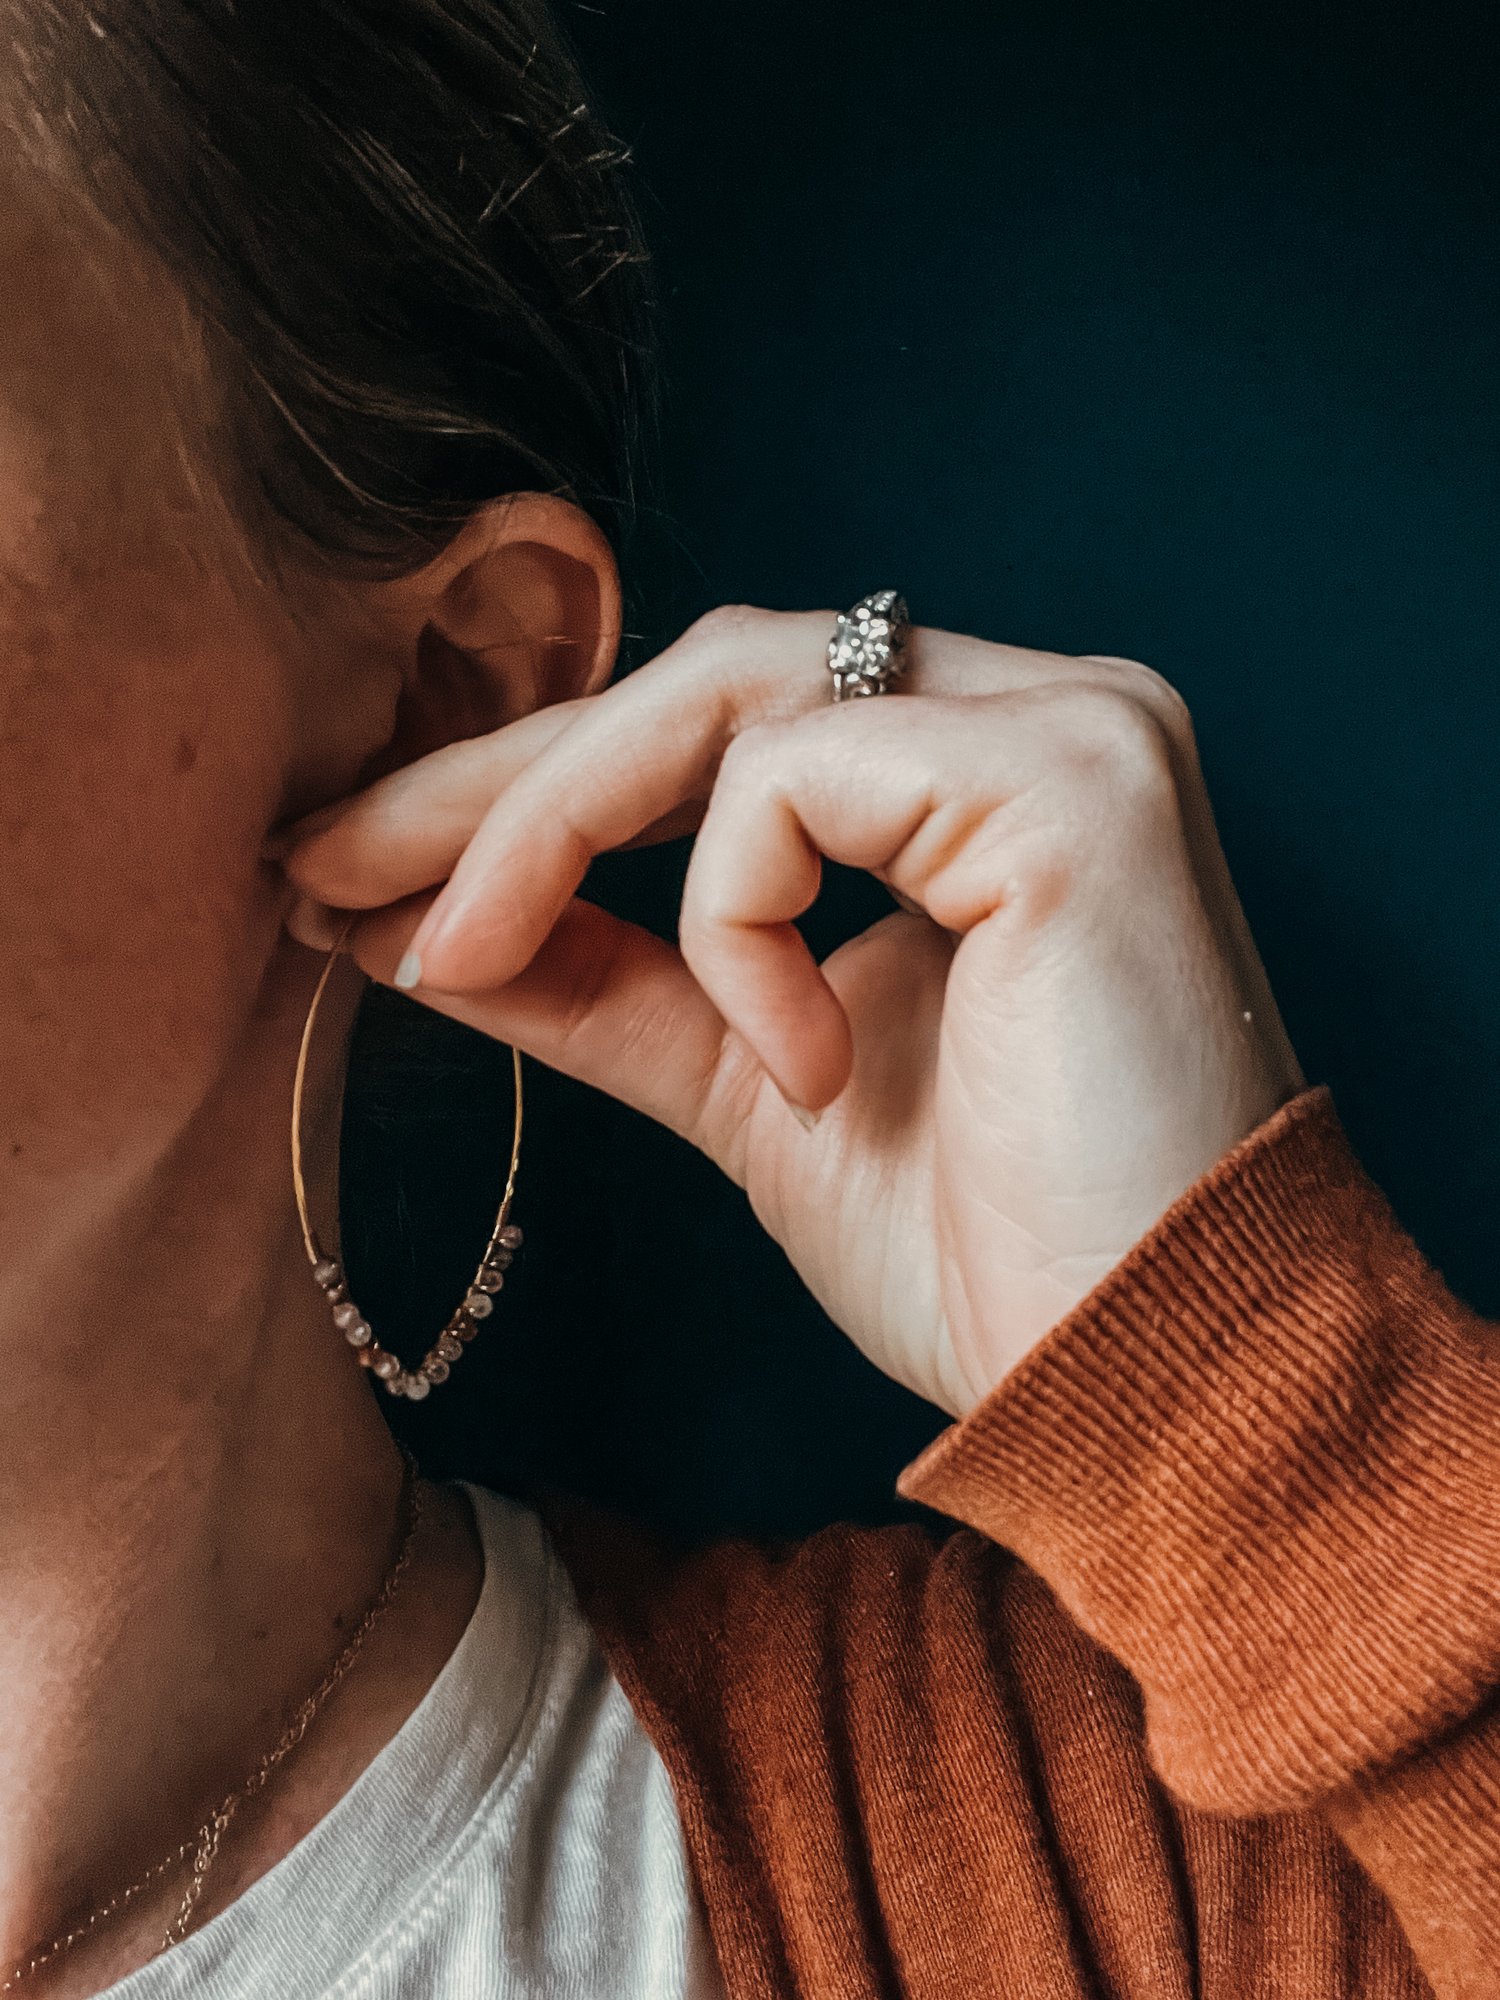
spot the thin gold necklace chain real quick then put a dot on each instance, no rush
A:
(204, 1846)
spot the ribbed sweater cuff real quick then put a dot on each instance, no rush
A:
(1260, 1463)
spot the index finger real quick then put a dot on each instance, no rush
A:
(405, 832)
(648, 744)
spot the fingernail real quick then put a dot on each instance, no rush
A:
(409, 972)
(805, 1118)
(428, 939)
(312, 923)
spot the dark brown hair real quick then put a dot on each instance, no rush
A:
(403, 228)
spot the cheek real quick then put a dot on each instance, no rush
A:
(136, 780)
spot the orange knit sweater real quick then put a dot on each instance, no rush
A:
(1201, 1701)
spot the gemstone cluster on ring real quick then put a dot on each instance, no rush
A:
(868, 647)
(436, 1366)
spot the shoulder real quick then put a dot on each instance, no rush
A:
(759, 1646)
(889, 1726)
(907, 1717)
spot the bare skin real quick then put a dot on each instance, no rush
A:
(198, 1493)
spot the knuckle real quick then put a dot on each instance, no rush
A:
(1164, 699)
(751, 759)
(702, 916)
(703, 924)
(725, 625)
(1114, 739)
(760, 663)
(1040, 881)
(1154, 692)
(1112, 784)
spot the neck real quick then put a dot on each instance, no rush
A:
(198, 1493)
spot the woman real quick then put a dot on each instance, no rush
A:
(315, 413)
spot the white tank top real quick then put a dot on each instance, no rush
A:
(516, 1840)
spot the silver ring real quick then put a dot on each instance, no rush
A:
(868, 649)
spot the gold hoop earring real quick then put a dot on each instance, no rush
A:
(328, 1271)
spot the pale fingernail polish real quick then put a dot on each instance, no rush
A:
(805, 1118)
(409, 972)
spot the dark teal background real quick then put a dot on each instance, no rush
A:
(1153, 330)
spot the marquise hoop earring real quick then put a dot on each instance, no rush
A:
(328, 1271)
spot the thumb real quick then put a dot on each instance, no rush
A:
(604, 1001)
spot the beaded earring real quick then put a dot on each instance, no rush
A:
(328, 1271)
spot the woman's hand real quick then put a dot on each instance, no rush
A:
(1065, 1025)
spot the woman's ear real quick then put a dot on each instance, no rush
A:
(522, 609)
